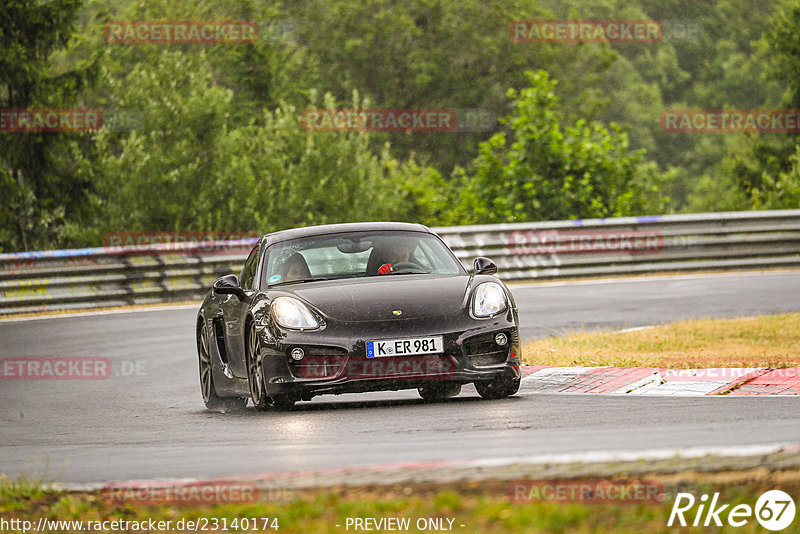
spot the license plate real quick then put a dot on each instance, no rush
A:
(405, 347)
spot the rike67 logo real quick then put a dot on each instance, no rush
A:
(774, 511)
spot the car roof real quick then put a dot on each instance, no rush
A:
(325, 229)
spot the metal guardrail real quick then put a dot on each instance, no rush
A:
(96, 277)
(634, 245)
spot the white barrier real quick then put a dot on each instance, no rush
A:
(86, 278)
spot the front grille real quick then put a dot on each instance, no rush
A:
(482, 351)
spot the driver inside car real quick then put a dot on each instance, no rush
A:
(295, 268)
(397, 252)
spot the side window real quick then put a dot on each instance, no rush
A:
(249, 269)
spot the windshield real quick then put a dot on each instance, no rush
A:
(357, 254)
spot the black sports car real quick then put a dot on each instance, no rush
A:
(355, 307)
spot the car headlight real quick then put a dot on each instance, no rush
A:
(292, 313)
(489, 299)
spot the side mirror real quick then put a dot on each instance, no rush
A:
(229, 285)
(483, 265)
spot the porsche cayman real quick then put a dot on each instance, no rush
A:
(355, 307)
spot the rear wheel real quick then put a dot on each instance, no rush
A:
(436, 392)
(210, 397)
(497, 388)
(255, 373)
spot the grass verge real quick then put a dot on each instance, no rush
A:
(479, 507)
(765, 341)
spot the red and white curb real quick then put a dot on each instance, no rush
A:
(658, 381)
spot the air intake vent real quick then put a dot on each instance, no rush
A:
(482, 350)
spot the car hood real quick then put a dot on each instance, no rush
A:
(377, 298)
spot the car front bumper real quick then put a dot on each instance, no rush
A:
(335, 359)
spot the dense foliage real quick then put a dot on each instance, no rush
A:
(210, 136)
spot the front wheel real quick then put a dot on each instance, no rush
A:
(210, 397)
(255, 374)
(498, 388)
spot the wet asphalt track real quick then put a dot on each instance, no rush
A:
(148, 421)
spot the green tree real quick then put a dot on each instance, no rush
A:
(274, 174)
(716, 64)
(549, 171)
(434, 54)
(38, 184)
(191, 165)
(781, 191)
(766, 168)
(148, 179)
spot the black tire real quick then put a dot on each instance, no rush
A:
(255, 373)
(498, 388)
(209, 392)
(441, 391)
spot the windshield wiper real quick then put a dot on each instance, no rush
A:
(299, 281)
